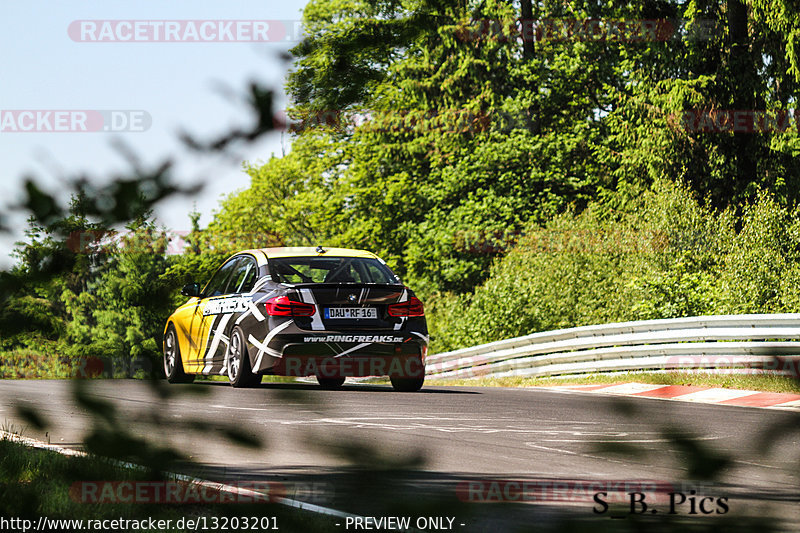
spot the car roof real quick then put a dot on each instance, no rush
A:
(310, 251)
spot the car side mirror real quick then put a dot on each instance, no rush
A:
(192, 289)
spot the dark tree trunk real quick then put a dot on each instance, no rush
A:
(528, 44)
(743, 86)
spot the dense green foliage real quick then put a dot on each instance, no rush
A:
(669, 257)
(104, 315)
(518, 184)
(425, 127)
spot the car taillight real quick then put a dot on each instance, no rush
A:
(283, 306)
(412, 307)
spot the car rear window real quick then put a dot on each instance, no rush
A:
(331, 270)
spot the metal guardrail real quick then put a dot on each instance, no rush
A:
(749, 343)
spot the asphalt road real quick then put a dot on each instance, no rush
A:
(366, 448)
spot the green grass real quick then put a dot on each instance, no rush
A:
(264, 379)
(36, 483)
(25, 363)
(763, 383)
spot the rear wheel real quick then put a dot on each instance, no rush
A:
(407, 384)
(173, 364)
(330, 383)
(240, 372)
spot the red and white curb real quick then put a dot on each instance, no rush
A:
(686, 393)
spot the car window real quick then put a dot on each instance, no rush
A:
(375, 271)
(330, 270)
(244, 276)
(219, 281)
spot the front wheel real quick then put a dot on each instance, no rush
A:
(407, 384)
(173, 364)
(240, 372)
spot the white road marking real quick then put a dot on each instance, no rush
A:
(568, 452)
(416, 423)
(637, 441)
(240, 408)
(758, 464)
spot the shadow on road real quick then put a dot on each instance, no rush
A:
(366, 387)
(508, 502)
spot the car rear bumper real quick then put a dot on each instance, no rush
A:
(346, 355)
(407, 366)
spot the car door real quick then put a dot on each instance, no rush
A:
(228, 307)
(203, 317)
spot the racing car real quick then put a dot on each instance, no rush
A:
(330, 313)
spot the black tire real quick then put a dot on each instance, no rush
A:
(173, 364)
(240, 372)
(330, 383)
(407, 384)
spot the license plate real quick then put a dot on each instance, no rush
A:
(351, 312)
